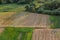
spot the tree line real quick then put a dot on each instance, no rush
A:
(15, 1)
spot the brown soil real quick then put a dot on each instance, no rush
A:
(46, 34)
(26, 19)
(1, 30)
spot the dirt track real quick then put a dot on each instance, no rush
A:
(25, 19)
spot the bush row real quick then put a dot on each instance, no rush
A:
(15, 1)
(52, 8)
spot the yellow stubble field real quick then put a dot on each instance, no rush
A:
(4, 15)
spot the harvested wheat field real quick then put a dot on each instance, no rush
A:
(46, 34)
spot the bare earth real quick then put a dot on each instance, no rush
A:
(1, 30)
(46, 34)
(26, 19)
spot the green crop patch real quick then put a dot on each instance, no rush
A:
(11, 8)
(55, 21)
(17, 34)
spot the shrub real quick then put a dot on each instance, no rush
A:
(15, 1)
(50, 8)
(30, 7)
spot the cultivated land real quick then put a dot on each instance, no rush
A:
(46, 34)
(4, 15)
(29, 34)
(26, 19)
(15, 24)
(11, 8)
(16, 33)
